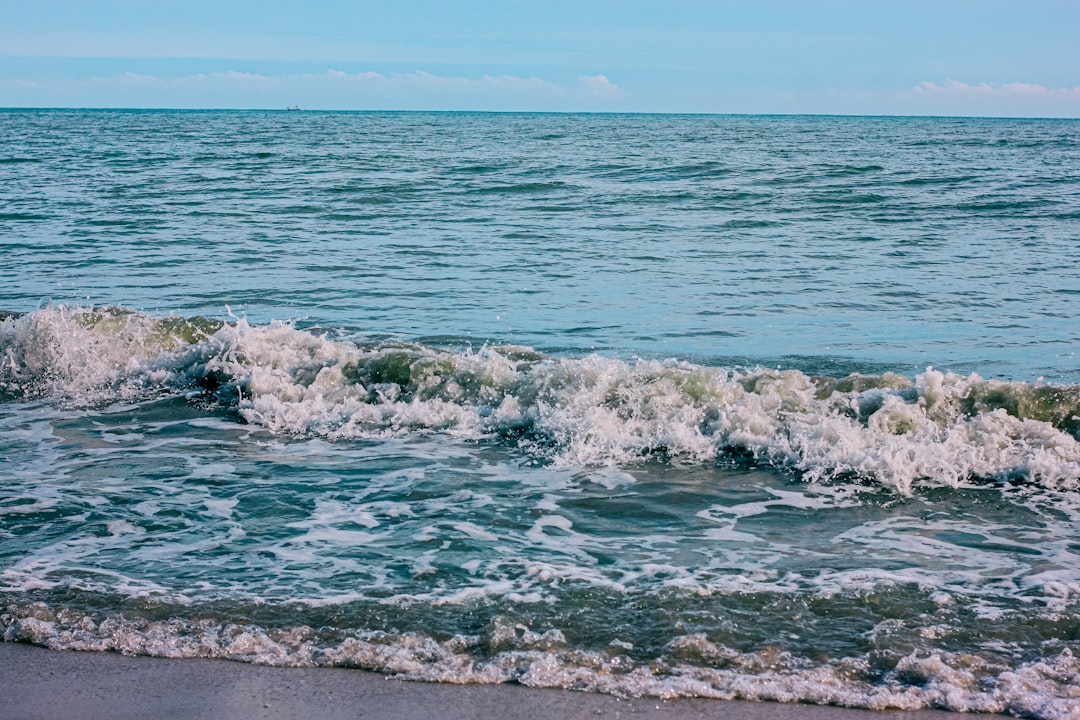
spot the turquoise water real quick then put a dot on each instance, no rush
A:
(766, 407)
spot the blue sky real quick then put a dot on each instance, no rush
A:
(911, 57)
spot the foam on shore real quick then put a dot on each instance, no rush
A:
(1048, 689)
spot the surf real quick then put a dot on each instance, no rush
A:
(936, 428)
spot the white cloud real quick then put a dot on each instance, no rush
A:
(986, 90)
(240, 76)
(130, 77)
(341, 74)
(331, 88)
(227, 77)
(1028, 88)
(509, 83)
(597, 85)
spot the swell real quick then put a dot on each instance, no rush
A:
(937, 428)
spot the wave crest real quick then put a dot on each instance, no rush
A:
(938, 428)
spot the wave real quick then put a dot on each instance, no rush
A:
(688, 666)
(936, 428)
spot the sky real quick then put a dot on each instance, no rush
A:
(861, 57)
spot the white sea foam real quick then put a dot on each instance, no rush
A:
(690, 665)
(940, 428)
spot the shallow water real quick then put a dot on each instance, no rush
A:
(630, 404)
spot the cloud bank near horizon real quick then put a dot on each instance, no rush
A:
(1013, 90)
(336, 89)
(331, 89)
(1011, 99)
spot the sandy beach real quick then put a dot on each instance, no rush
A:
(41, 684)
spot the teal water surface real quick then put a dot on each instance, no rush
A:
(902, 242)
(780, 408)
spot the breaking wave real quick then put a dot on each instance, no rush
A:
(688, 666)
(937, 428)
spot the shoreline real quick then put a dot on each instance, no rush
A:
(43, 684)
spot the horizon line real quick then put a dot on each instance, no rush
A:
(676, 113)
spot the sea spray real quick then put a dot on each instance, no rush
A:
(939, 428)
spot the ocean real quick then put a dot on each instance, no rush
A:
(761, 407)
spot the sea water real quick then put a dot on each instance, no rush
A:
(779, 408)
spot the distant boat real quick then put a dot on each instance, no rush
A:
(294, 108)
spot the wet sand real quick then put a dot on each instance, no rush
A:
(40, 684)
